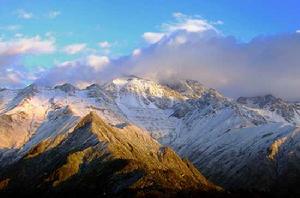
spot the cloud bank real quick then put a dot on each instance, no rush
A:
(264, 65)
(193, 48)
(12, 72)
(81, 72)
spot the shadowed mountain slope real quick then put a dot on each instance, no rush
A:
(99, 158)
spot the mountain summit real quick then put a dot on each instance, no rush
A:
(249, 144)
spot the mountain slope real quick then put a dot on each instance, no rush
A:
(287, 110)
(221, 137)
(100, 158)
(190, 89)
(235, 145)
(146, 103)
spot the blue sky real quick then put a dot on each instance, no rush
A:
(122, 23)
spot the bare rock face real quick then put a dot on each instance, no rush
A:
(99, 158)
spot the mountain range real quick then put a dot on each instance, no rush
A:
(144, 137)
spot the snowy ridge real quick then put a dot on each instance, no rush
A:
(212, 130)
(36, 113)
(221, 136)
(105, 160)
(231, 145)
(189, 88)
(288, 110)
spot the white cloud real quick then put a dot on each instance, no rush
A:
(74, 48)
(182, 23)
(136, 52)
(23, 14)
(53, 14)
(187, 23)
(104, 44)
(265, 65)
(33, 45)
(298, 31)
(268, 64)
(152, 37)
(12, 71)
(219, 22)
(178, 15)
(13, 74)
(10, 78)
(79, 72)
(97, 62)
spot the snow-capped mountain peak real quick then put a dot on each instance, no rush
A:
(140, 86)
(68, 88)
(93, 86)
(138, 91)
(198, 122)
(259, 101)
(189, 88)
(288, 110)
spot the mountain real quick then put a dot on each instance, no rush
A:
(233, 144)
(99, 158)
(237, 147)
(68, 88)
(146, 103)
(290, 111)
(189, 88)
(227, 141)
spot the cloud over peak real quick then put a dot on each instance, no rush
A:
(97, 62)
(187, 48)
(80, 72)
(268, 64)
(182, 23)
(187, 23)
